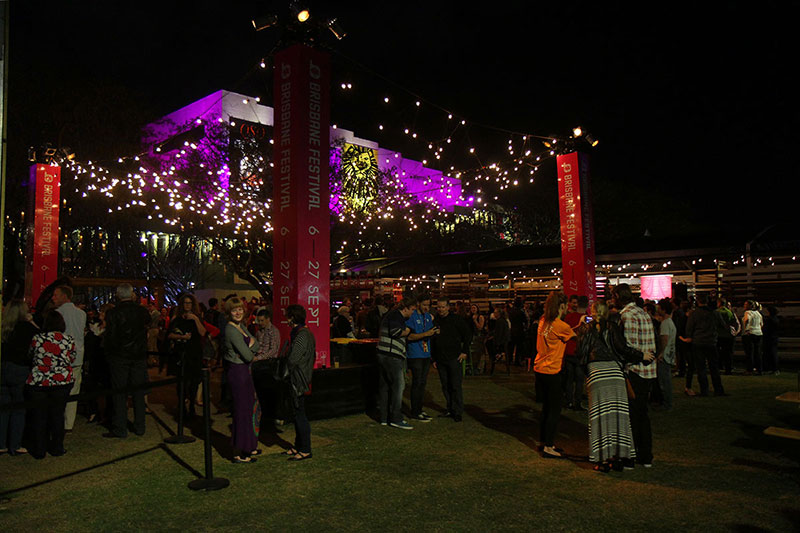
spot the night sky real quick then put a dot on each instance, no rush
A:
(695, 107)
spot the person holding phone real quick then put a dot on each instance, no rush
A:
(418, 355)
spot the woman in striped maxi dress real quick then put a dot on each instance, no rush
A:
(603, 349)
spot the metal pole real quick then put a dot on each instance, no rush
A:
(4, 25)
(180, 438)
(209, 482)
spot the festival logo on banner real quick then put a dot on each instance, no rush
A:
(301, 216)
(577, 231)
(43, 266)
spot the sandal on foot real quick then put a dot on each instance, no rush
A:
(256, 453)
(238, 460)
(300, 457)
(290, 451)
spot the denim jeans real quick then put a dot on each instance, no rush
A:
(451, 378)
(665, 383)
(752, 350)
(419, 378)
(302, 429)
(390, 388)
(640, 419)
(12, 390)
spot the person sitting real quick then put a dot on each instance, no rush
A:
(342, 327)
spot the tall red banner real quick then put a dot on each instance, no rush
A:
(42, 267)
(577, 225)
(301, 194)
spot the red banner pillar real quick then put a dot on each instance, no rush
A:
(300, 207)
(577, 225)
(42, 267)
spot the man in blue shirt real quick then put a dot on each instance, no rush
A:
(419, 355)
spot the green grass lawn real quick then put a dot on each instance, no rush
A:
(714, 470)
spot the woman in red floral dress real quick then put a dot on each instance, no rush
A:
(48, 385)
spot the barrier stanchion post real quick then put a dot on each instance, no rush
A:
(209, 482)
(180, 438)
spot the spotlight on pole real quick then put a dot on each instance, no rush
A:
(267, 21)
(336, 29)
(301, 12)
(591, 140)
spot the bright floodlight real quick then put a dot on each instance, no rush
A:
(303, 15)
(577, 131)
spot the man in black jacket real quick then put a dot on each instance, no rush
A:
(701, 334)
(126, 349)
(450, 348)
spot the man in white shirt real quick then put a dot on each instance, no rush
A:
(75, 319)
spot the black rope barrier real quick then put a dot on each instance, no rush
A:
(208, 482)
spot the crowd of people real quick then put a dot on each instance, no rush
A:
(620, 356)
(48, 355)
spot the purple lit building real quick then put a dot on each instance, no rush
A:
(222, 124)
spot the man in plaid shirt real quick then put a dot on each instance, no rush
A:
(638, 329)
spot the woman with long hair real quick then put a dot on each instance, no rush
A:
(98, 373)
(551, 342)
(186, 330)
(477, 323)
(17, 331)
(603, 349)
(240, 349)
(49, 384)
(752, 322)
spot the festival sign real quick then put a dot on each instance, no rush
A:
(301, 195)
(577, 226)
(43, 254)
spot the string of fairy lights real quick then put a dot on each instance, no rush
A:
(161, 191)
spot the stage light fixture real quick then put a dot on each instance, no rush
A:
(577, 131)
(591, 140)
(336, 29)
(262, 23)
(301, 12)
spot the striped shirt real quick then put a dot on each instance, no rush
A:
(391, 342)
(638, 329)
